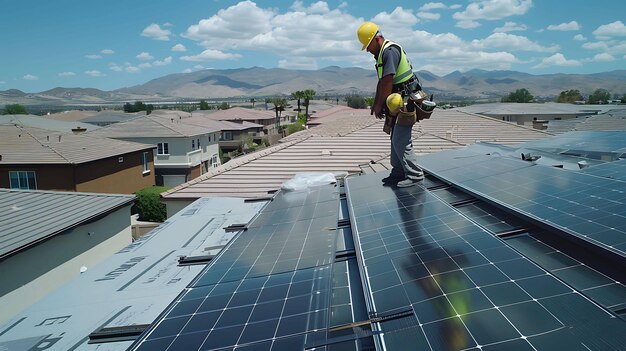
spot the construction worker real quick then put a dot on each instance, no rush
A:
(395, 75)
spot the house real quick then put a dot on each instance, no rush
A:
(104, 118)
(265, 118)
(108, 304)
(49, 238)
(33, 158)
(44, 122)
(234, 134)
(183, 151)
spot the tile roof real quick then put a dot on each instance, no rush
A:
(54, 212)
(24, 145)
(151, 127)
(45, 123)
(238, 113)
(204, 121)
(347, 140)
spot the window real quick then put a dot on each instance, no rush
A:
(163, 149)
(227, 135)
(209, 136)
(193, 144)
(146, 167)
(215, 161)
(23, 180)
(198, 143)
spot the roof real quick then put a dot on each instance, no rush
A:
(245, 114)
(152, 127)
(74, 115)
(549, 108)
(204, 121)
(45, 123)
(132, 286)
(25, 145)
(110, 117)
(55, 212)
(483, 254)
(346, 140)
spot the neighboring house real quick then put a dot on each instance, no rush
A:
(44, 122)
(32, 158)
(232, 133)
(48, 238)
(265, 118)
(105, 118)
(130, 288)
(183, 152)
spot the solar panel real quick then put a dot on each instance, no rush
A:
(437, 281)
(270, 288)
(612, 170)
(587, 206)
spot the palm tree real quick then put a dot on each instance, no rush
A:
(252, 101)
(298, 95)
(279, 107)
(308, 95)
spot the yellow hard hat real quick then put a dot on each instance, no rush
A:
(394, 103)
(366, 33)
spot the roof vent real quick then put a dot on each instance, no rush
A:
(581, 164)
(529, 157)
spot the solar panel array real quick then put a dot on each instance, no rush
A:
(590, 207)
(437, 281)
(269, 289)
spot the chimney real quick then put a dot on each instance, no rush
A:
(59, 138)
(47, 138)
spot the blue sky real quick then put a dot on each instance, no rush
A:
(114, 44)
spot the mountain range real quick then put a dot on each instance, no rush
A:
(479, 85)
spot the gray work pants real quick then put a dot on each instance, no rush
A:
(403, 159)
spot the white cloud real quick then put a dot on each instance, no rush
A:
(166, 61)
(603, 57)
(93, 57)
(429, 16)
(493, 10)
(456, 6)
(144, 65)
(579, 37)
(432, 6)
(557, 60)
(155, 32)
(615, 29)
(210, 54)
(2, 82)
(504, 41)
(317, 7)
(132, 69)
(67, 74)
(95, 73)
(30, 77)
(198, 67)
(187, 70)
(144, 56)
(573, 25)
(179, 48)
(167, 24)
(466, 24)
(107, 52)
(115, 67)
(510, 27)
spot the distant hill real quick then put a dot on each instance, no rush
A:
(475, 84)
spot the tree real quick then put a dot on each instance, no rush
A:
(204, 105)
(308, 95)
(298, 95)
(252, 101)
(623, 101)
(600, 96)
(15, 109)
(224, 106)
(279, 107)
(355, 101)
(149, 204)
(520, 95)
(569, 96)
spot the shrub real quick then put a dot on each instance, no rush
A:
(149, 204)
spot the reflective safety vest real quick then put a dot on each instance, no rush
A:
(404, 71)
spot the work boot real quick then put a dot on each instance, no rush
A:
(410, 181)
(392, 179)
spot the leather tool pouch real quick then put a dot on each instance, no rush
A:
(421, 114)
(406, 118)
